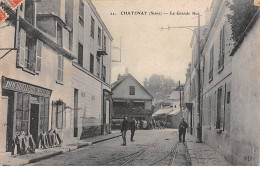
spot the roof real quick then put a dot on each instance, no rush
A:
(115, 84)
(167, 111)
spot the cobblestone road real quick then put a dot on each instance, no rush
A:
(151, 147)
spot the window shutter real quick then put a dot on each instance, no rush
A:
(38, 56)
(21, 48)
(60, 68)
(64, 115)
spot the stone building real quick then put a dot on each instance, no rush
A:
(47, 79)
(131, 99)
(229, 85)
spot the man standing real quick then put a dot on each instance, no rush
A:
(182, 130)
(132, 128)
(123, 130)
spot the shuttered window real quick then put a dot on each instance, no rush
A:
(60, 116)
(99, 36)
(60, 68)
(92, 33)
(44, 114)
(80, 54)
(21, 48)
(91, 63)
(98, 66)
(29, 55)
(38, 56)
(222, 49)
(104, 74)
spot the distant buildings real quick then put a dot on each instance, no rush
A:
(131, 99)
(229, 87)
(57, 72)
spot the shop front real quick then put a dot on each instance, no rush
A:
(27, 110)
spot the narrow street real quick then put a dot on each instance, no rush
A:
(151, 147)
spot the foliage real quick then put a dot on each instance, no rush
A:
(243, 12)
(159, 86)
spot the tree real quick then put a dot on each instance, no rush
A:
(159, 86)
(243, 13)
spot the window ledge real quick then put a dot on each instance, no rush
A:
(29, 71)
(59, 82)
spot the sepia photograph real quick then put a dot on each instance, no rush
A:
(129, 83)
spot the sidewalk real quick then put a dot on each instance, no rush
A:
(200, 154)
(40, 154)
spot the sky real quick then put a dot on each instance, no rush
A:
(146, 49)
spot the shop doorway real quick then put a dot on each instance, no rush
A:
(34, 121)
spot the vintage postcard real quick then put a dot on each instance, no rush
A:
(129, 82)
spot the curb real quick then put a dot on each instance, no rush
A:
(34, 160)
(94, 142)
(191, 156)
(44, 157)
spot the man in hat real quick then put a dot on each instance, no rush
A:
(124, 128)
(182, 130)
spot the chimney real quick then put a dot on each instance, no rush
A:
(126, 71)
(208, 14)
(120, 77)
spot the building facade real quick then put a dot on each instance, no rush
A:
(131, 99)
(41, 75)
(226, 103)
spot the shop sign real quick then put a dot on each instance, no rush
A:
(15, 85)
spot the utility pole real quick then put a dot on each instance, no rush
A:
(180, 95)
(199, 127)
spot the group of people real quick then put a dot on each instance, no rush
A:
(50, 139)
(132, 125)
(155, 124)
(23, 143)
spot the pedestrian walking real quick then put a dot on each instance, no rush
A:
(132, 128)
(123, 130)
(182, 130)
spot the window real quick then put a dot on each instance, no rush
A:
(220, 111)
(92, 27)
(132, 90)
(29, 53)
(104, 74)
(211, 64)
(228, 97)
(98, 66)
(222, 50)
(99, 36)
(59, 35)
(60, 68)
(91, 63)
(80, 54)
(105, 43)
(81, 13)
(60, 114)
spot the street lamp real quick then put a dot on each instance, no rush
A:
(199, 127)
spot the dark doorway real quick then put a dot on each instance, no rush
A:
(76, 112)
(191, 121)
(34, 121)
(218, 123)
